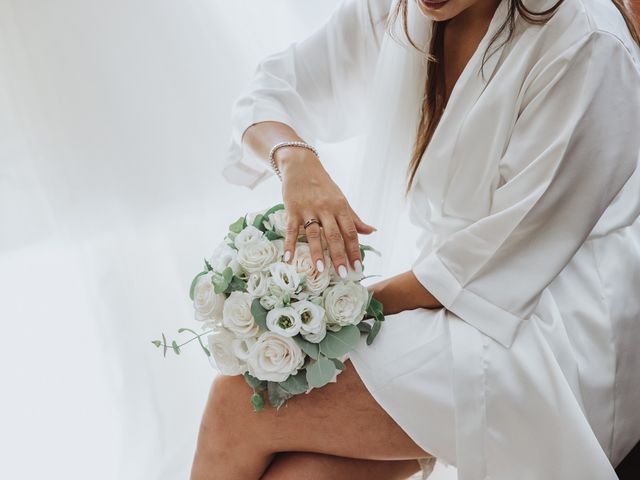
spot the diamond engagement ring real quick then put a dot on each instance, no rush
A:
(310, 222)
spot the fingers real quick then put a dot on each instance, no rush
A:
(350, 237)
(361, 227)
(335, 242)
(293, 228)
(314, 239)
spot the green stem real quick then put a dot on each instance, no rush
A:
(188, 341)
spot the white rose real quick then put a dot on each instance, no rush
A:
(257, 255)
(274, 357)
(286, 321)
(207, 303)
(242, 346)
(314, 281)
(236, 315)
(277, 221)
(247, 236)
(313, 324)
(285, 277)
(345, 303)
(279, 244)
(258, 284)
(222, 356)
(224, 256)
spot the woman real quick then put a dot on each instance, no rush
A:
(508, 348)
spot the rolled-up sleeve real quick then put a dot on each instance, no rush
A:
(317, 86)
(573, 147)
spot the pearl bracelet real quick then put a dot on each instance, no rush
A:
(277, 146)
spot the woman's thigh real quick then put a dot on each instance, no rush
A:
(340, 419)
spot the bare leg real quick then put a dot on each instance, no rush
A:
(319, 466)
(340, 419)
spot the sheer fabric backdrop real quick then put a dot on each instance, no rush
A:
(114, 123)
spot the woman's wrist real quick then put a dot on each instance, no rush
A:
(290, 157)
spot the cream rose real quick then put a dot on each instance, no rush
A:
(222, 355)
(242, 346)
(314, 281)
(258, 284)
(277, 221)
(236, 315)
(247, 236)
(345, 303)
(286, 321)
(208, 304)
(285, 277)
(224, 256)
(274, 357)
(257, 255)
(313, 326)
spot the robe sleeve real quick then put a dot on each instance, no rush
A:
(574, 145)
(316, 86)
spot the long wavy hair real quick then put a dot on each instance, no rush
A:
(434, 102)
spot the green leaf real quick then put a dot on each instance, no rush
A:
(257, 402)
(277, 395)
(271, 235)
(375, 309)
(199, 337)
(296, 384)
(368, 248)
(252, 381)
(339, 365)
(336, 344)
(320, 372)
(238, 225)
(236, 285)
(207, 265)
(364, 327)
(259, 313)
(164, 345)
(175, 347)
(257, 222)
(194, 282)
(157, 343)
(273, 209)
(222, 280)
(311, 349)
(374, 331)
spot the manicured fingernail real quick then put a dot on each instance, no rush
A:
(342, 271)
(357, 265)
(287, 256)
(320, 266)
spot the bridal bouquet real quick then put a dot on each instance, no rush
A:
(286, 327)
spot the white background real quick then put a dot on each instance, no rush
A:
(114, 123)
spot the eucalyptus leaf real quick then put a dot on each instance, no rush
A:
(207, 265)
(257, 402)
(164, 345)
(375, 309)
(336, 344)
(277, 395)
(175, 347)
(238, 225)
(236, 285)
(257, 223)
(339, 365)
(199, 337)
(364, 327)
(368, 248)
(271, 235)
(251, 380)
(157, 343)
(374, 331)
(259, 313)
(296, 384)
(222, 280)
(273, 209)
(311, 349)
(320, 372)
(194, 282)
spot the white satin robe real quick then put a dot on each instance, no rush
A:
(528, 196)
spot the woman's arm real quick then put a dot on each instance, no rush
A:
(403, 292)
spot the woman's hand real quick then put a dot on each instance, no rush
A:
(309, 193)
(403, 292)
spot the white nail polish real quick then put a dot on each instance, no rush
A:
(287, 256)
(320, 266)
(358, 266)
(342, 271)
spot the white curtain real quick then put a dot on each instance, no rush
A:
(114, 120)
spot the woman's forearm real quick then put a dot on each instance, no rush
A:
(403, 292)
